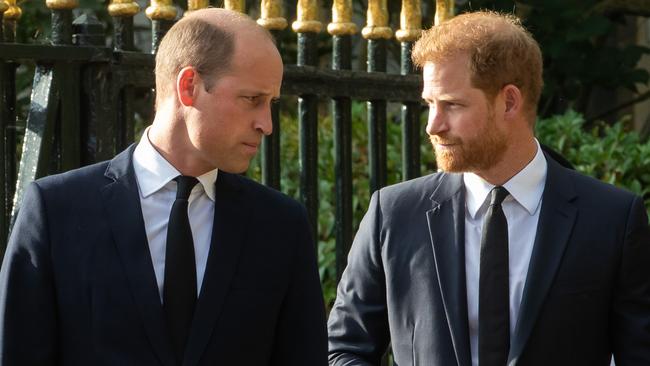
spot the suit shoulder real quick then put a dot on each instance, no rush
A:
(269, 197)
(80, 178)
(598, 189)
(415, 189)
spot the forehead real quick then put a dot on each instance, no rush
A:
(255, 66)
(449, 76)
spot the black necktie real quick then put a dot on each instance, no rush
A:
(179, 289)
(493, 303)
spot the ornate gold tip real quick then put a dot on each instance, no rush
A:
(272, 15)
(341, 19)
(377, 26)
(61, 4)
(13, 11)
(193, 5)
(161, 10)
(123, 8)
(236, 5)
(3, 6)
(444, 11)
(307, 17)
(410, 21)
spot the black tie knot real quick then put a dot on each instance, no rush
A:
(185, 185)
(497, 195)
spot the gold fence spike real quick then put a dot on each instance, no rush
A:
(341, 19)
(3, 6)
(236, 5)
(62, 4)
(377, 22)
(307, 17)
(123, 8)
(161, 10)
(13, 11)
(410, 21)
(193, 5)
(272, 18)
(444, 11)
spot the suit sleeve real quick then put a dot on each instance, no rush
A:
(301, 334)
(27, 297)
(358, 323)
(631, 309)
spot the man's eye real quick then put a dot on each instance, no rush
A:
(252, 99)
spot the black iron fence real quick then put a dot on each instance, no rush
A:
(82, 102)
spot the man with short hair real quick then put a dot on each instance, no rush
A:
(165, 255)
(504, 257)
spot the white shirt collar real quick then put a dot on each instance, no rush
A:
(526, 187)
(154, 172)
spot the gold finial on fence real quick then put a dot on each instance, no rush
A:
(341, 19)
(236, 5)
(62, 4)
(123, 8)
(3, 6)
(307, 17)
(410, 21)
(444, 11)
(193, 5)
(13, 11)
(377, 23)
(272, 18)
(161, 10)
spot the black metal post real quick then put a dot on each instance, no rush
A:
(62, 26)
(8, 131)
(410, 124)
(342, 115)
(158, 30)
(308, 123)
(123, 34)
(377, 119)
(271, 143)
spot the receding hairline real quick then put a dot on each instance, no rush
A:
(229, 21)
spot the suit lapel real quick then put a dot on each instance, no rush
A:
(122, 203)
(556, 220)
(230, 213)
(447, 230)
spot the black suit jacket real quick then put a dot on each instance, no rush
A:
(77, 285)
(587, 293)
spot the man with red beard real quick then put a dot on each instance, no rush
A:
(504, 257)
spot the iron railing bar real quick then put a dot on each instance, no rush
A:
(377, 119)
(308, 126)
(342, 116)
(410, 123)
(271, 144)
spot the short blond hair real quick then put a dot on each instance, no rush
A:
(500, 50)
(192, 42)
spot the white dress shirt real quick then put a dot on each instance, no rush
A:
(157, 190)
(521, 209)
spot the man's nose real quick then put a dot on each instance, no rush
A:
(436, 121)
(264, 121)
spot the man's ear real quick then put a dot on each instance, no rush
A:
(187, 85)
(513, 100)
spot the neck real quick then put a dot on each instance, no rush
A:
(516, 157)
(169, 137)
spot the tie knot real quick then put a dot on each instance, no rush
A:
(185, 185)
(497, 195)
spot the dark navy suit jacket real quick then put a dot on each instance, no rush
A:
(587, 293)
(77, 285)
